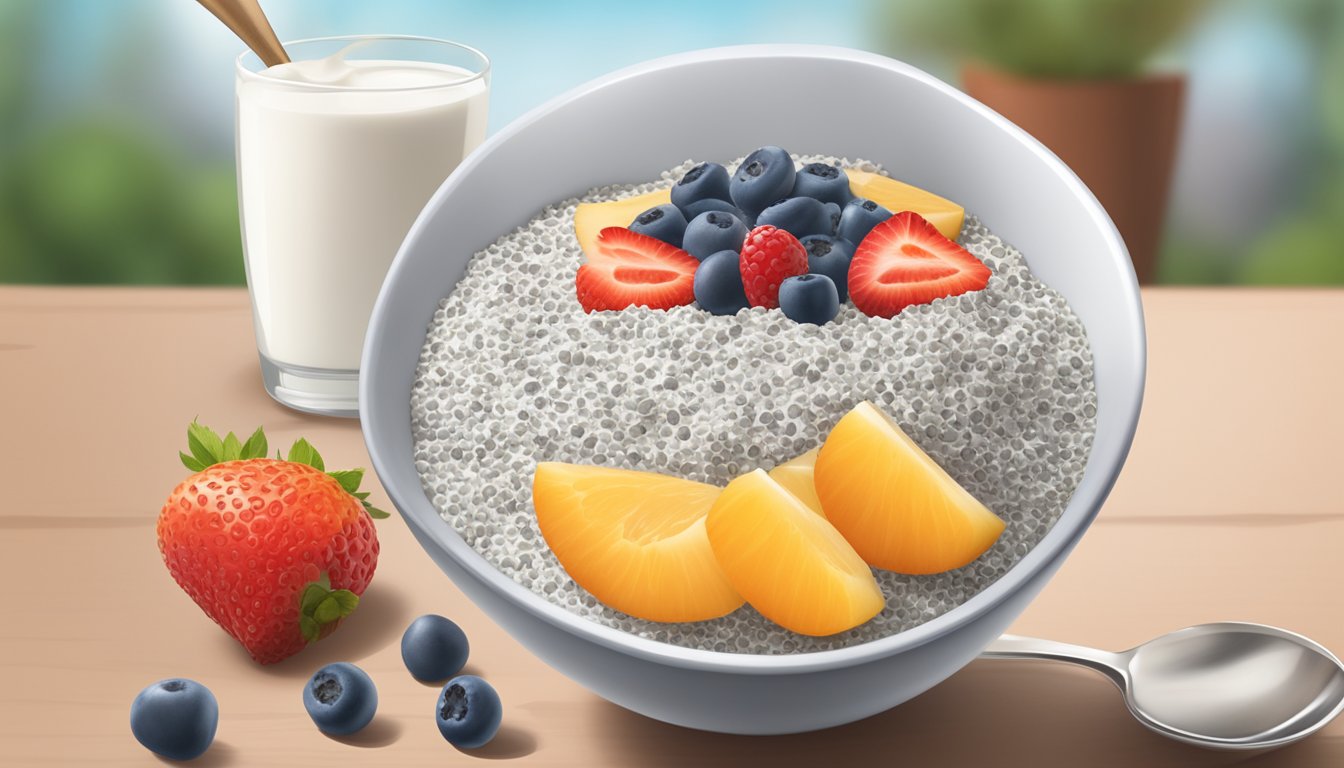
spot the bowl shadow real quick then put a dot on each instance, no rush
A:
(1008, 713)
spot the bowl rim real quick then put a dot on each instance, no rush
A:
(423, 518)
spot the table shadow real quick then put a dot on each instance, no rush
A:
(510, 743)
(1008, 713)
(219, 755)
(382, 732)
(382, 614)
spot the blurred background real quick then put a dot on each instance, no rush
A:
(116, 116)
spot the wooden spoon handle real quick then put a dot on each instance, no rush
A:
(249, 23)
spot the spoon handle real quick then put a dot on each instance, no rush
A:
(1112, 665)
(249, 23)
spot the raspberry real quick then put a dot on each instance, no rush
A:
(769, 256)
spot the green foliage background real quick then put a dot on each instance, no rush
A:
(90, 193)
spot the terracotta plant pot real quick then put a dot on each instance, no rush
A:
(1119, 136)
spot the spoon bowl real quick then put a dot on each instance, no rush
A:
(1229, 685)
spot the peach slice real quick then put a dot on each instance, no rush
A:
(635, 540)
(897, 196)
(591, 218)
(787, 561)
(796, 477)
(899, 509)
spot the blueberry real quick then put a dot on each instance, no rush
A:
(824, 182)
(830, 256)
(340, 698)
(434, 648)
(712, 232)
(765, 176)
(801, 216)
(718, 284)
(706, 181)
(692, 210)
(858, 218)
(809, 299)
(468, 712)
(664, 222)
(175, 718)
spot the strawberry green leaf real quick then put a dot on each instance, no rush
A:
(321, 607)
(233, 450)
(327, 611)
(375, 513)
(349, 479)
(362, 495)
(309, 628)
(255, 447)
(347, 600)
(204, 443)
(190, 462)
(302, 452)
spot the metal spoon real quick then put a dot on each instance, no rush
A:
(249, 23)
(1229, 685)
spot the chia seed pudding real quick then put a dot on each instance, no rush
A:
(995, 385)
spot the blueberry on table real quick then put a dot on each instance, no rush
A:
(712, 232)
(468, 712)
(718, 284)
(663, 222)
(434, 648)
(858, 218)
(691, 210)
(801, 216)
(809, 299)
(823, 181)
(340, 698)
(175, 718)
(765, 176)
(830, 256)
(706, 181)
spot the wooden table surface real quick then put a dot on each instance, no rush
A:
(1229, 508)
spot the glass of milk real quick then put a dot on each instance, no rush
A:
(337, 153)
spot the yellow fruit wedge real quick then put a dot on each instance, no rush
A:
(635, 540)
(894, 504)
(796, 477)
(897, 196)
(591, 218)
(787, 561)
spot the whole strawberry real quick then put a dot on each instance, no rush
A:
(276, 551)
(769, 257)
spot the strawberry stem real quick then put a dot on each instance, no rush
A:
(321, 608)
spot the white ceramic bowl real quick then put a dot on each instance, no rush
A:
(629, 126)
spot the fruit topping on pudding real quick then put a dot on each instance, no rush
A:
(789, 562)
(662, 222)
(900, 510)
(764, 176)
(905, 261)
(718, 284)
(714, 231)
(628, 269)
(898, 196)
(769, 257)
(831, 210)
(635, 540)
(796, 543)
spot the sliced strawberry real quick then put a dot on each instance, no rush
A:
(628, 269)
(905, 261)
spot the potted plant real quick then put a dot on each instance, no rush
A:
(1074, 74)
